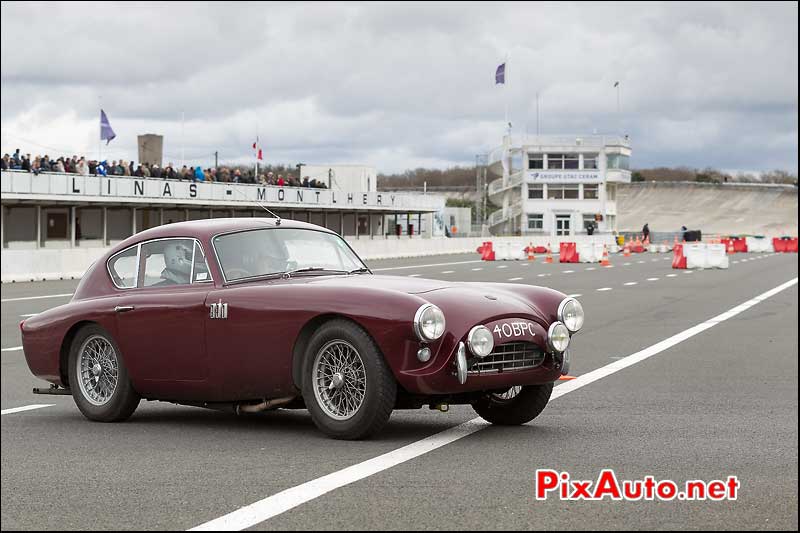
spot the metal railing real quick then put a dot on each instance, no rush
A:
(501, 215)
(499, 185)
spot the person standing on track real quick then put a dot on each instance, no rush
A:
(645, 233)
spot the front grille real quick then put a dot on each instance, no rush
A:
(509, 357)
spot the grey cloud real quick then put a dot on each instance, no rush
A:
(401, 84)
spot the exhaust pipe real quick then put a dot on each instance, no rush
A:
(263, 406)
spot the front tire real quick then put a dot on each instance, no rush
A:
(98, 378)
(347, 386)
(514, 407)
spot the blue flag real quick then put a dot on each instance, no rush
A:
(101, 168)
(500, 74)
(106, 133)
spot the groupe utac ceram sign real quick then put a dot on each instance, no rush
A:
(140, 190)
(561, 175)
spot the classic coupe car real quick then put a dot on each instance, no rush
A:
(253, 314)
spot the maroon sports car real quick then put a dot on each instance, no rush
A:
(254, 314)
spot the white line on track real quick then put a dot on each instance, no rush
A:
(578, 295)
(502, 266)
(626, 264)
(447, 271)
(424, 266)
(672, 275)
(36, 297)
(414, 275)
(652, 279)
(25, 408)
(477, 269)
(540, 275)
(640, 262)
(288, 499)
(630, 283)
(567, 271)
(602, 289)
(514, 279)
(14, 349)
(688, 272)
(591, 268)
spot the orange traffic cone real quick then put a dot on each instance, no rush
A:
(531, 256)
(731, 250)
(605, 262)
(549, 257)
(626, 249)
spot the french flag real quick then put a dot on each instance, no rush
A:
(259, 155)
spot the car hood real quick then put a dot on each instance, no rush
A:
(478, 300)
(391, 283)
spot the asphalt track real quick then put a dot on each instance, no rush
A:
(721, 402)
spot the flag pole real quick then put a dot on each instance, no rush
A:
(183, 124)
(505, 90)
(100, 129)
(257, 145)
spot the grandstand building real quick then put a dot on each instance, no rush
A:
(557, 185)
(68, 220)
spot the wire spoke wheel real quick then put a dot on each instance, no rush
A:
(97, 369)
(339, 379)
(508, 395)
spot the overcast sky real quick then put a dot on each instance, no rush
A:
(402, 85)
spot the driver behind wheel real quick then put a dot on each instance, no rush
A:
(178, 263)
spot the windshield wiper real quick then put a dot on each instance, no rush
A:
(359, 270)
(290, 273)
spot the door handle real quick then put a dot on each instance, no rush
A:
(123, 308)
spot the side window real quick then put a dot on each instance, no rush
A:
(122, 268)
(167, 262)
(201, 273)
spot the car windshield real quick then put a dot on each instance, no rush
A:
(255, 253)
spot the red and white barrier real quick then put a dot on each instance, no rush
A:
(568, 252)
(702, 255)
(678, 259)
(759, 245)
(785, 245)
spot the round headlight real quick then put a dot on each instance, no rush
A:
(429, 323)
(570, 312)
(480, 341)
(558, 337)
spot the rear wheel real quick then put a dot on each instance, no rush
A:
(515, 406)
(98, 378)
(347, 387)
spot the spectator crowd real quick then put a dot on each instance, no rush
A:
(84, 167)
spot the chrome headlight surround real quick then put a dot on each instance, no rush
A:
(570, 313)
(425, 313)
(480, 341)
(558, 337)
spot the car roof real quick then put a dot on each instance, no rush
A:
(206, 228)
